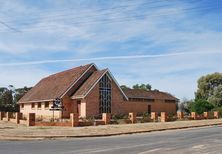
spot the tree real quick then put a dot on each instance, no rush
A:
(142, 86)
(9, 97)
(210, 88)
(20, 92)
(184, 105)
(200, 106)
(6, 99)
(124, 87)
(216, 98)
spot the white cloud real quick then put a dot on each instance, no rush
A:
(22, 76)
(71, 31)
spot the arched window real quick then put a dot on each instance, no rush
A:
(105, 94)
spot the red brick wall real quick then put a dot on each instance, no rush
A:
(70, 106)
(92, 102)
(121, 106)
(163, 107)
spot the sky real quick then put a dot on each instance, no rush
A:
(166, 43)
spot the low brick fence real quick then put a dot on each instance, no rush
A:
(74, 120)
(30, 120)
(64, 124)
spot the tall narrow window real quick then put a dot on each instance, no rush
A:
(105, 94)
(33, 105)
(46, 105)
(39, 105)
(22, 106)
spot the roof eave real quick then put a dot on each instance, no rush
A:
(20, 102)
(78, 79)
(107, 70)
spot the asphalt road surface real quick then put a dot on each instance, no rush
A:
(196, 140)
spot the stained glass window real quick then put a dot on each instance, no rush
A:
(105, 94)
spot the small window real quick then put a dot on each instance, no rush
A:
(33, 105)
(46, 105)
(150, 100)
(39, 105)
(22, 106)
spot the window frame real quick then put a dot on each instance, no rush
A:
(105, 94)
(33, 107)
(22, 105)
(39, 106)
(46, 107)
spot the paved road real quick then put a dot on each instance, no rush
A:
(197, 140)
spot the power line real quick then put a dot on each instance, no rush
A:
(101, 12)
(122, 19)
(96, 10)
(9, 27)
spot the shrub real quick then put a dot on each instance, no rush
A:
(171, 117)
(99, 116)
(219, 109)
(145, 117)
(119, 116)
(200, 106)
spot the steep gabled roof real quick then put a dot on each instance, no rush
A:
(89, 84)
(153, 94)
(55, 85)
(92, 81)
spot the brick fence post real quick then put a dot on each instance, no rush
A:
(74, 119)
(8, 115)
(18, 116)
(216, 114)
(194, 115)
(1, 115)
(163, 116)
(31, 119)
(106, 118)
(180, 115)
(132, 117)
(154, 116)
(206, 115)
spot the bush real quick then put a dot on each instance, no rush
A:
(172, 117)
(219, 109)
(200, 106)
(120, 119)
(99, 116)
(119, 116)
(145, 117)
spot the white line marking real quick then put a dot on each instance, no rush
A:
(153, 150)
(117, 148)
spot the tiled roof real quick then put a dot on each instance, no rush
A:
(54, 85)
(89, 83)
(153, 94)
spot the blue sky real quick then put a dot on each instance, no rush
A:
(184, 38)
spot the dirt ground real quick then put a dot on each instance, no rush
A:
(10, 131)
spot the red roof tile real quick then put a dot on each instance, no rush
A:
(89, 83)
(54, 85)
(153, 94)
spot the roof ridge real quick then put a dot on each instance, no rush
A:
(69, 70)
(96, 76)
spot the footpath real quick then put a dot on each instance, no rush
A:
(10, 131)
